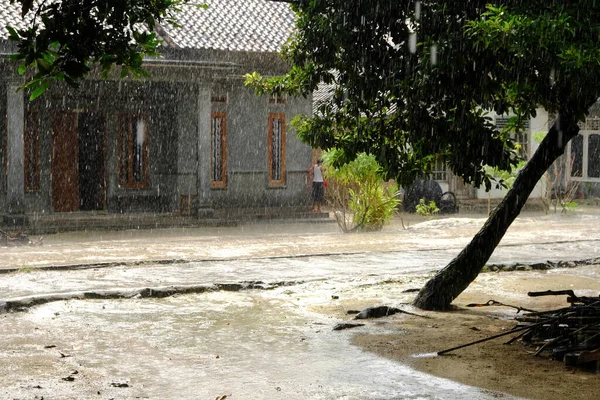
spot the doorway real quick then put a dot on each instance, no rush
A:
(78, 161)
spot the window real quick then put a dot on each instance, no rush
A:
(521, 138)
(439, 171)
(585, 156)
(32, 151)
(218, 149)
(276, 146)
(576, 155)
(593, 156)
(133, 151)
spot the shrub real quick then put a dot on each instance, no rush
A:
(357, 193)
(427, 209)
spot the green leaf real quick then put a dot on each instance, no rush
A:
(12, 33)
(39, 90)
(43, 65)
(47, 55)
(124, 71)
(22, 68)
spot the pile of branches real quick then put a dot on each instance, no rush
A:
(569, 334)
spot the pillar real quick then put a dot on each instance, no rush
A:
(15, 182)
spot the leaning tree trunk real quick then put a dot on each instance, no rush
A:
(447, 284)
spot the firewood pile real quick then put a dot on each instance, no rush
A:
(568, 334)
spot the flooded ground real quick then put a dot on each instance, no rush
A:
(254, 344)
(243, 345)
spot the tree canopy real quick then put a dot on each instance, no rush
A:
(64, 39)
(413, 80)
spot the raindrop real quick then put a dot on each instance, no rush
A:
(433, 58)
(418, 10)
(412, 42)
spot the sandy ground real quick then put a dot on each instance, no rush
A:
(491, 365)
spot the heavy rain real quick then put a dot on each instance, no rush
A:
(270, 199)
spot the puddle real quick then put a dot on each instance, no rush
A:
(246, 345)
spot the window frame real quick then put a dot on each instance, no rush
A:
(272, 181)
(31, 137)
(439, 171)
(222, 115)
(585, 158)
(127, 119)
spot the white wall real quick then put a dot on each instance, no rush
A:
(536, 124)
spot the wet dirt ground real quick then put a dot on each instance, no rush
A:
(256, 344)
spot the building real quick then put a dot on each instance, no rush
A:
(527, 146)
(575, 176)
(581, 164)
(192, 139)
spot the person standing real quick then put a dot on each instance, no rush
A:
(318, 186)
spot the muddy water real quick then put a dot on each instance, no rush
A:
(274, 344)
(378, 266)
(246, 345)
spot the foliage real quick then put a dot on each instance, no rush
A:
(373, 204)
(568, 206)
(539, 136)
(63, 39)
(503, 178)
(356, 191)
(411, 80)
(426, 209)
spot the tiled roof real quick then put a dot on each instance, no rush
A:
(10, 14)
(239, 25)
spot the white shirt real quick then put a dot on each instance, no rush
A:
(317, 174)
